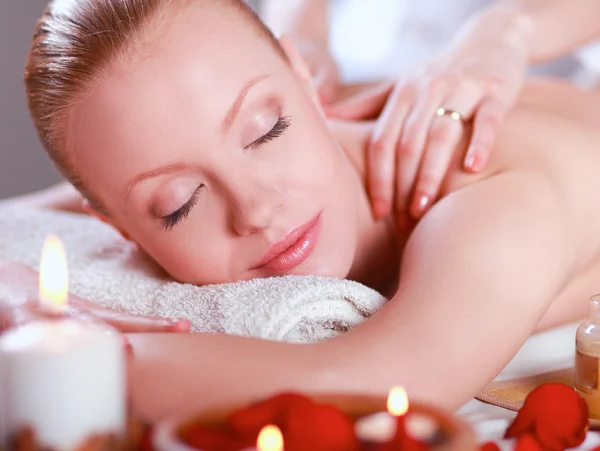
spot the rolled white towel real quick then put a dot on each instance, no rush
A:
(110, 271)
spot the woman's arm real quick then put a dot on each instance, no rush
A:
(480, 271)
(58, 197)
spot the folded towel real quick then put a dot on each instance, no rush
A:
(110, 271)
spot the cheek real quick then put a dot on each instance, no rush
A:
(191, 258)
(311, 151)
(199, 251)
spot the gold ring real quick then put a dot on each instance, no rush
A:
(451, 113)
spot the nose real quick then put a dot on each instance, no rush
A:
(254, 207)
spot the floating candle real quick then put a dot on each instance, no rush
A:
(381, 427)
(421, 427)
(62, 378)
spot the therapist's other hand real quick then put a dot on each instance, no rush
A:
(412, 146)
(322, 67)
(18, 291)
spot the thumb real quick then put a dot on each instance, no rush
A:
(366, 104)
(326, 84)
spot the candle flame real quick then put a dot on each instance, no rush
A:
(397, 403)
(270, 438)
(54, 282)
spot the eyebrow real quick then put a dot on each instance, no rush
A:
(167, 169)
(237, 104)
(225, 126)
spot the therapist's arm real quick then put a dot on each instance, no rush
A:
(306, 24)
(549, 28)
(304, 19)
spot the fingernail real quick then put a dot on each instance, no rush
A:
(420, 205)
(126, 343)
(183, 325)
(473, 162)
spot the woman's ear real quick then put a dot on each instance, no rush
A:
(91, 211)
(301, 70)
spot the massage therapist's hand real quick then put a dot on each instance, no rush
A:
(19, 289)
(479, 77)
(322, 67)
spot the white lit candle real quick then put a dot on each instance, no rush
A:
(63, 378)
(381, 427)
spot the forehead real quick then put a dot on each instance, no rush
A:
(181, 84)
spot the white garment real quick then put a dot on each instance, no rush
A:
(371, 39)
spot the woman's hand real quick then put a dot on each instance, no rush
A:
(18, 291)
(479, 77)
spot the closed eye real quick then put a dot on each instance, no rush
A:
(176, 217)
(282, 124)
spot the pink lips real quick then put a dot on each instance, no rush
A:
(293, 249)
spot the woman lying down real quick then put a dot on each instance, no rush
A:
(193, 132)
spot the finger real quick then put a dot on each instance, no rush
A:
(128, 323)
(366, 104)
(444, 137)
(442, 143)
(486, 125)
(411, 146)
(381, 153)
(17, 316)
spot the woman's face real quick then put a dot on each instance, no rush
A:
(207, 150)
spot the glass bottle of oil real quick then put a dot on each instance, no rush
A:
(587, 358)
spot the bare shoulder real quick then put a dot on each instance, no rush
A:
(555, 129)
(553, 132)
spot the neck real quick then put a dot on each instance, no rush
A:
(376, 262)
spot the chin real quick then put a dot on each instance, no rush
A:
(332, 264)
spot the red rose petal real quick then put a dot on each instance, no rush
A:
(208, 439)
(527, 442)
(270, 411)
(325, 428)
(555, 415)
(489, 446)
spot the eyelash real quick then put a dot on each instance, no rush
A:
(282, 124)
(174, 218)
(170, 221)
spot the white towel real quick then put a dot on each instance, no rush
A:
(110, 271)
